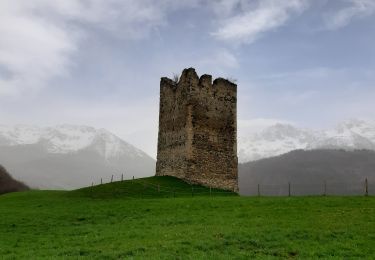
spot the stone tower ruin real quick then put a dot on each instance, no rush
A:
(197, 139)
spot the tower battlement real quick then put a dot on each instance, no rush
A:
(197, 138)
(189, 75)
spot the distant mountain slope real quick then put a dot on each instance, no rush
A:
(68, 156)
(8, 184)
(282, 138)
(341, 170)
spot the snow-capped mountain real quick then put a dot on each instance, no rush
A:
(282, 138)
(350, 134)
(68, 139)
(69, 156)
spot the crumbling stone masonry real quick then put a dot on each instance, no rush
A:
(197, 139)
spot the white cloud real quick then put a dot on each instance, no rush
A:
(31, 48)
(39, 37)
(356, 9)
(252, 22)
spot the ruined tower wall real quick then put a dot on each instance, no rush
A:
(197, 130)
(172, 138)
(214, 145)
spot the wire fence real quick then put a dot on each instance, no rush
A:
(325, 188)
(140, 188)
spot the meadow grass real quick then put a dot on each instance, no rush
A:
(114, 222)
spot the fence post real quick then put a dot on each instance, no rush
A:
(289, 189)
(101, 180)
(325, 189)
(366, 187)
(122, 176)
(112, 178)
(258, 190)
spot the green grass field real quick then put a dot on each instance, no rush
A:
(141, 219)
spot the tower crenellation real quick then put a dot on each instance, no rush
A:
(197, 138)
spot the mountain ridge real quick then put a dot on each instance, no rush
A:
(281, 138)
(64, 138)
(69, 156)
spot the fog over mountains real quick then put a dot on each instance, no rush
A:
(68, 156)
(282, 138)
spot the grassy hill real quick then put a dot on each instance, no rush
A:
(113, 221)
(151, 187)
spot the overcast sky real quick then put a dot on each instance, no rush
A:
(99, 62)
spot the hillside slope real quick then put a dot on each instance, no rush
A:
(8, 184)
(343, 171)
